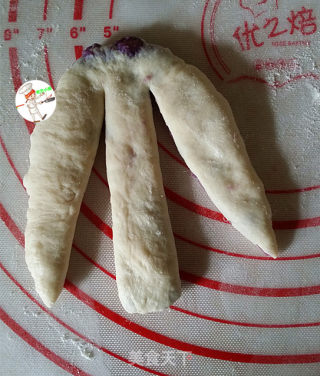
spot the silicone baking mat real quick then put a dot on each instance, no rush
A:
(240, 313)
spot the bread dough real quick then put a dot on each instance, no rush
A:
(63, 150)
(145, 254)
(206, 135)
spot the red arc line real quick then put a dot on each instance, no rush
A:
(212, 37)
(14, 66)
(249, 290)
(227, 253)
(177, 159)
(294, 190)
(33, 342)
(45, 10)
(98, 266)
(296, 223)
(77, 10)
(239, 323)
(46, 58)
(206, 212)
(97, 221)
(204, 42)
(171, 342)
(13, 11)
(198, 209)
(10, 160)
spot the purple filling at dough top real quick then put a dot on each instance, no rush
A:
(129, 46)
(93, 50)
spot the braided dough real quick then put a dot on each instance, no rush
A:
(63, 150)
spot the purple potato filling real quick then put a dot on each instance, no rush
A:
(129, 46)
(93, 50)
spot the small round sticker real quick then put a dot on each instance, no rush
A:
(35, 101)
